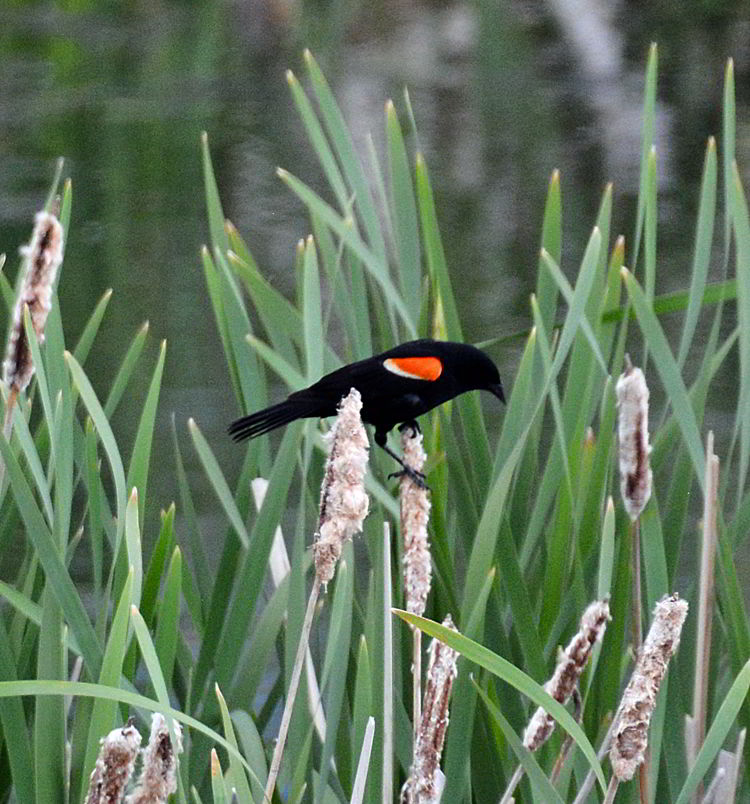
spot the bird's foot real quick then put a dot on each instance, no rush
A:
(418, 478)
(413, 426)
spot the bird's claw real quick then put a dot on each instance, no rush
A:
(418, 478)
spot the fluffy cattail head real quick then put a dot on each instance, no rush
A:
(571, 664)
(634, 449)
(415, 516)
(343, 499)
(114, 765)
(42, 258)
(158, 779)
(422, 786)
(630, 737)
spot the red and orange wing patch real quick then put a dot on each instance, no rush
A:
(415, 368)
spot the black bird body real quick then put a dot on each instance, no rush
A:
(396, 387)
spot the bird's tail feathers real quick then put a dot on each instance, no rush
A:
(264, 421)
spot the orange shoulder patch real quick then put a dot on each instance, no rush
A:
(415, 368)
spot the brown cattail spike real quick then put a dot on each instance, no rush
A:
(635, 468)
(630, 737)
(114, 765)
(571, 664)
(158, 779)
(42, 256)
(343, 499)
(422, 786)
(415, 516)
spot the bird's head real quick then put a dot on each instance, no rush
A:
(473, 369)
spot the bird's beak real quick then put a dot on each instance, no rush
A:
(497, 390)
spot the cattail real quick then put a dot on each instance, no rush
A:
(343, 499)
(423, 786)
(114, 765)
(635, 468)
(343, 508)
(630, 737)
(158, 779)
(571, 664)
(415, 515)
(42, 256)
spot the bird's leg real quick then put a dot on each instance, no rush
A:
(412, 474)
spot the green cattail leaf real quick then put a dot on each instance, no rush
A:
(741, 222)
(344, 228)
(195, 538)
(49, 713)
(539, 782)
(214, 285)
(168, 622)
(141, 455)
(362, 696)
(403, 214)
(56, 573)
(125, 371)
(215, 213)
(103, 714)
(13, 722)
(88, 336)
(99, 417)
(704, 232)
(218, 786)
(546, 290)
(343, 147)
(236, 778)
(216, 478)
(281, 319)
(162, 549)
(647, 141)
(729, 137)
(133, 546)
(319, 141)
(312, 314)
(606, 553)
(28, 448)
(293, 378)
(564, 286)
(94, 489)
(669, 373)
(257, 653)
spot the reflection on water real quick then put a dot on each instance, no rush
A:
(503, 93)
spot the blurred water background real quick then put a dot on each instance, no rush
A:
(503, 93)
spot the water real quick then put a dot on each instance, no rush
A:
(502, 93)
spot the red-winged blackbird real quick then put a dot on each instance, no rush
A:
(396, 387)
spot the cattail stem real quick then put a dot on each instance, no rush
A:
(291, 696)
(588, 782)
(568, 741)
(515, 780)
(636, 597)
(614, 783)
(695, 728)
